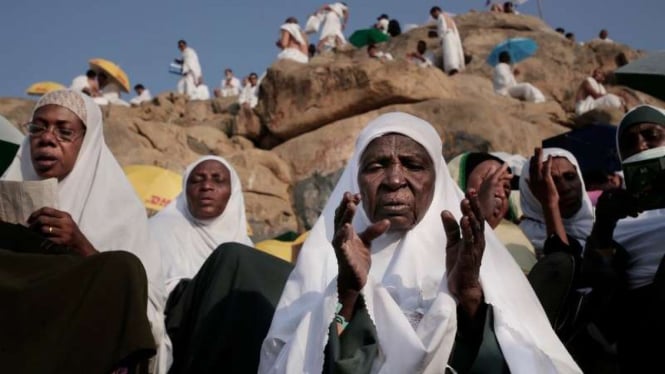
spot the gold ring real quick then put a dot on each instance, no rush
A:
(50, 229)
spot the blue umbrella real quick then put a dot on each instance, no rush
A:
(518, 48)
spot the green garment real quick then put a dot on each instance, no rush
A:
(62, 313)
(476, 348)
(218, 322)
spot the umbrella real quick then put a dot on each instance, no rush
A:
(361, 38)
(112, 70)
(593, 146)
(10, 141)
(41, 88)
(518, 48)
(646, 74)
(155, 186)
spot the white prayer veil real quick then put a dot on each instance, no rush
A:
(407, 277)
(578, 226)
(642, 236)
(103, 203)
(185, 241)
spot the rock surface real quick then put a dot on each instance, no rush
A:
(290, 150)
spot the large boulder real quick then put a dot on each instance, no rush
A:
(17, 111)
(296, 98)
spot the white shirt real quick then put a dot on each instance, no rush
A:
(80, 83)
(503, 78)
(232, 88)
(144, 96)
(190, 64)
(249, 94)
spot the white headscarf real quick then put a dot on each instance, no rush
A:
(407, 277)
(103, 204)
(295, 31)
(642, 237)
(185, 241)
(578, 226)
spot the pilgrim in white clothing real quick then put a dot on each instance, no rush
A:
(505, 84)
(103, 204)
(406, 294)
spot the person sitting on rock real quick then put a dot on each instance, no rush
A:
(382, 23)
(110, 91)
(603, 36)
(421, 57)
(592, 94)
(86, 83)
(509, 7)
(374, 52)
(230, 85)
(203, 225)
(249, 97)
(293, 42)
(505, 83)
(142, 95)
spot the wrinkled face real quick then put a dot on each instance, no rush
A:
(640, 137)
(501, 195)
(568, 185)
(208, 189)
(52, 157)
(396, 179)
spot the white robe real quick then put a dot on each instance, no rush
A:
(80, 83)
(453, 54)
(407, 279)
(293, 54)
(249, 95)
(428, 60)
(111, 95)
(606, 101)
(230, 88)
(144, 96)
(578, 226)
(192, 73)
(332, 25)
(642, 237)
(186, 242)
(105, 207)
(505, 84)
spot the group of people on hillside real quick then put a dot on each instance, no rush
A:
(415, 265)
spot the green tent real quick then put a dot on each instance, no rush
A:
(361, 38)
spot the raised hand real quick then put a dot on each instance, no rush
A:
(60, 228)
(352, 249)
(464, 253)
(492, 195)
(541, 183)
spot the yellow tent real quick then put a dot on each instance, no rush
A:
(113, 70)
(155, 186)
(287, 251)
(42, 88)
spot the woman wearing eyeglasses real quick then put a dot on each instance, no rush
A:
(81, 281)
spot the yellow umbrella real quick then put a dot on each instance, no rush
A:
(113, 70)
(41, 88)
(155, 186)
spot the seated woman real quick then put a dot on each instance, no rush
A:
(624, 254)
(84, 311)
(492, 178)
(557, 212)
(387, 280)
(221, 301)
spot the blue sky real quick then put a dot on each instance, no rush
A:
(53, 40)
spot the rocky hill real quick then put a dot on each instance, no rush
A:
(291, 149)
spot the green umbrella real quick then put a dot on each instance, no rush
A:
(361, 38)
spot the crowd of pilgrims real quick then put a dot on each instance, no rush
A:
(414, 265)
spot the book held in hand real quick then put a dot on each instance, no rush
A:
(644, 174)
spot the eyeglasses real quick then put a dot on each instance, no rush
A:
(62, 134)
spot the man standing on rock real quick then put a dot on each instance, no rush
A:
(293, 42)
(335, 17)
(453, 54)
(192, 75)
